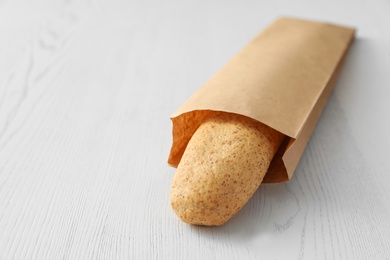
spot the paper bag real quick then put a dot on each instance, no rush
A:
(282, 78)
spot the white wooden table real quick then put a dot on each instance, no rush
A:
(86, 91)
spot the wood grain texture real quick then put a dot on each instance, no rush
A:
(86, 90)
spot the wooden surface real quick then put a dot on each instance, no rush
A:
(86, 90)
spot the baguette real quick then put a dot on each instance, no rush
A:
(223, 165)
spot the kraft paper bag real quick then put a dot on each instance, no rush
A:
(282, 78)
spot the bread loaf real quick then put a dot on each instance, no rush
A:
(223, 165)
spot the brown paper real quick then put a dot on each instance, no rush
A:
(282, 78)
